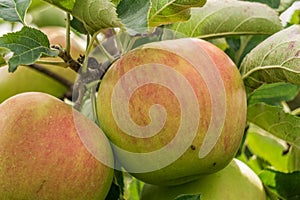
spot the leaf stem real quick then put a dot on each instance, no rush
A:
(296, 111)
(68, 32)
(241, 50)
(88, 51)
(106, 53)
(118, 41)
(93, 102)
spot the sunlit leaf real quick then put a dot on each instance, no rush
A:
(14, 10)
(274, 93)
(275, 121)
(27, 46)
(267, 147)
(170, 11)
(66, 5)
(96, 14)
(229, 17)
(134, 15)
(284, 185)
(271, 3)
(277, 59)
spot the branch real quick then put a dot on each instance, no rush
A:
(67, 58)
(51, 74)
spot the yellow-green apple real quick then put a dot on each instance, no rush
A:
(42, 155)
(25, 79)
(174, 110)
(235, 182)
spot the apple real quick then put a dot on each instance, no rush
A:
(25, 79)
(235, 182)
(173, 110)
(42, 155)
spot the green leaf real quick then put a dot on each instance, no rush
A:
(240, 46)
(285, 4)
(271, 3)
(134, 15)
(269, 148)
(285, 185)
(14, 10)
(275, 121)
(78, 26)
(66, 5)
(96, 14)
(229, 17)
(28, 45)
(3, 52)
(295, 19)
(134, 189)
(170, 11)
(188, 197)
(294, 159)
(116, 190)
(277, 59)
(274, 93)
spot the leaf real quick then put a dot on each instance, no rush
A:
(264, 145)
(117, 187)
(188, 197)
(294, 159)
(271, 3)
(134, 15)
(78, 26)
(285, 185)
(285, 4)
(28, 45)
(14, 10)
(3, 52)
(134, 189)
(275, 121)
(96, 14)
(66, 5)
(274, 93)
(240, 46)
(277, 59)
(229, 17)
(170, 11)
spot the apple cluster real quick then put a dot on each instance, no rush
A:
(172, 113)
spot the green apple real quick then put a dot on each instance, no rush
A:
(42, 155)
(25, 79)
(173, 109)
(235, 182)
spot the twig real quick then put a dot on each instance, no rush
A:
(51, 74)
(67, 58)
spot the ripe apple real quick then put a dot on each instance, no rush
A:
(42, 155)
(235, 182)
(25, 79)
(173, 109)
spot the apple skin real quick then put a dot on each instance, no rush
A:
(176, 55)
(25, 79)
(42, 155)
(235, 182)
